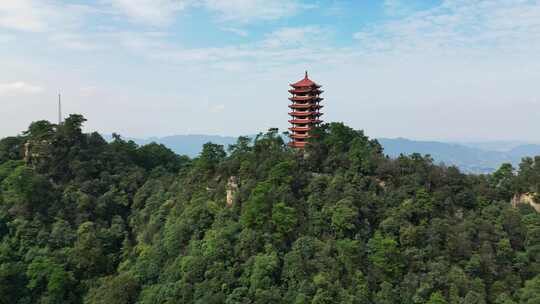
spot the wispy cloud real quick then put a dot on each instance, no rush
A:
(18, 87)
(153, 12)
(24, 15)
(396, 7)
(163, 12)
(72, 41)
(62, 25)
(236, 30)
(460, 26)
(295, 36)
(40, 16)
(277, 48)
(67, 25)
(253, 10)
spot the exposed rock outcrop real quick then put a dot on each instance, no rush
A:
(232, 190)
(526, 198)
(35, 150)
(27, 155)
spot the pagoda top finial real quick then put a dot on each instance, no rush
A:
(306, 82)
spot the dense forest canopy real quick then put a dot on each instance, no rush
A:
(83, 220)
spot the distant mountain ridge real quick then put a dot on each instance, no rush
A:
(190, 145)
(467, 158)
(471, 158)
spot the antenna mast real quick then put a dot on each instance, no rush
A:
(59, 109)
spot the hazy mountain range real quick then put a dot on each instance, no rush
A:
(469, 157)
(474, 157)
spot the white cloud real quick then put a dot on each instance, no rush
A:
(163, 12)
(458, 26)
(396, 7)
(72, 41)
(294, 36)
(253, 10)
(40, 15)
(19, 87)
(60, 24)
(281, 47)
(25, 15)
(235, 30)
(153, 12)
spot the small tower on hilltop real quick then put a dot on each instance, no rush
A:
(305, 111)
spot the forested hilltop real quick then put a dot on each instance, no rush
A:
(87, 221)
(475, 158)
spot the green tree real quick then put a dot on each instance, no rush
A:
(155, 155)
(263, 275)
(344, 216)
(530, 293)
(502, 182)
(10, 148)
(211, 156)
(386, 294)
(385, 257)
(436, 298)
(50, 282)
(25, 192)
(88, 256)
(284, 219)
(120, 289)
(39, 130)
(257, 210)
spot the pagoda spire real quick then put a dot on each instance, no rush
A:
(305, 111)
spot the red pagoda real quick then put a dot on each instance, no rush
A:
(305, 111)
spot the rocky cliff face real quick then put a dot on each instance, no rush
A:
(526, 198)
(35, 150)
(232, 188)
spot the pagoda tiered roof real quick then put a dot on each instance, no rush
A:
(305, 111)
(305, 121)
(304, 83)
(300, 129)
(297, 144)
(305, 90)
(300, 136)
(305, 98)
(304, 114)
(305, 106)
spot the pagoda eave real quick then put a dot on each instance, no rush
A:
(300, 136)
(297, 144)
(305, 121)
(298, 91)
(305, 106)
(305, 98)
(300, 129)
(304, 114)
(305, 85)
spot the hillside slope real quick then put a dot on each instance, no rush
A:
(86, 221)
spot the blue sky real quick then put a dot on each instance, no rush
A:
(422, 69)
